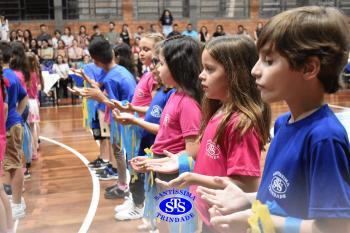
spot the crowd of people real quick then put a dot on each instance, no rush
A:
(196, 118)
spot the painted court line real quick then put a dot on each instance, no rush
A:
(96, 186)
(337, 106)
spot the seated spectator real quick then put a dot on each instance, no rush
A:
(175, 31)
(20, 36)
(43, 34)
(190, 32)
(75, 54)
(219, 31)
(33, 46)
(112, 36)
(82, 36)
(46, 54)
(61, 68)
(13, 35)
(125, 35)
(240, 29)
(203, 34)
(67, 37)
(61, 50)
(97, 33)
(138, 34)
(27, 36)
(56, 38)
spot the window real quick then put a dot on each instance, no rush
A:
(92, 9)
(152, 10)
(236, 9)
(27, 9)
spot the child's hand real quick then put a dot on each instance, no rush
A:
(138, 164)
(76, 90)
(180, 182)
(123, 108)
(168, 165)
(81, 73)
(229, 200)
(123, 118)
(232, 223)
(94, 93)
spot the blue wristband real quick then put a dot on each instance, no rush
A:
(292, 225)
(186, 164)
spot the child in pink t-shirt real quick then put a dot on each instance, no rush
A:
(179, 67)
(6, 223)
(146, 87)
(235, 122)
(35, 84)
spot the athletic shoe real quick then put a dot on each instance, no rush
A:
(109, 173)
(148, 226)
(98, 163)
(127, 205)
(130, 214)
(116, 193)
(17, 211)
(110, 187)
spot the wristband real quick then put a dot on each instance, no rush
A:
(292, 225)
(186, 163)
(260, 221)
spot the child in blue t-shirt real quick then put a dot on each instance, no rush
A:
(17, 101)
(119, 84)
(306, 179)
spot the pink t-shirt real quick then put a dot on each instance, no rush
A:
(180, 118)
(2, 127)
(232, 158)
(143, 91)
(33, 89)
(20, 75)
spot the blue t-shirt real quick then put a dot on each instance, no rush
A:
(94, 72)
(153, 115)
(15, 93)
(307, 169)
(119, 83)
(192, 34)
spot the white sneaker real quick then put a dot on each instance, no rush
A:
(130, 214)
(147, 226)
(17, 211)
(23, 203)
(127, 205)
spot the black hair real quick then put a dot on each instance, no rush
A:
(6, 51)
(123, 52)
(183, 57)
(95, 27)
(19, 60)
(111, 22)
(43, 25)
(162, 17)
(101, 50)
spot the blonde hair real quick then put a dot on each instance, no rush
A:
(238, 54)
(154, 36)
(301, 33)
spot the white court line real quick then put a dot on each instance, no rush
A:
(96, 186)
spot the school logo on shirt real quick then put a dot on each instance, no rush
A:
(213, 150)
(279, 185)
(140, 93)
(166, 119)
(156, 111)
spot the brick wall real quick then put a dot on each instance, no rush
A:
(230, 26)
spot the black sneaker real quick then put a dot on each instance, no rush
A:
(116, 193)
(98, 164)
(109, 173)
(110, 187)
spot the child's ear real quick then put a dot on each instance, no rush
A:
(311, 68)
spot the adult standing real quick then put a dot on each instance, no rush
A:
(167, 21)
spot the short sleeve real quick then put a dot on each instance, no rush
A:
(190, 118)
(243, 156)
(329, 180)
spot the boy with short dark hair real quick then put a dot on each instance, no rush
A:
(306, 179)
